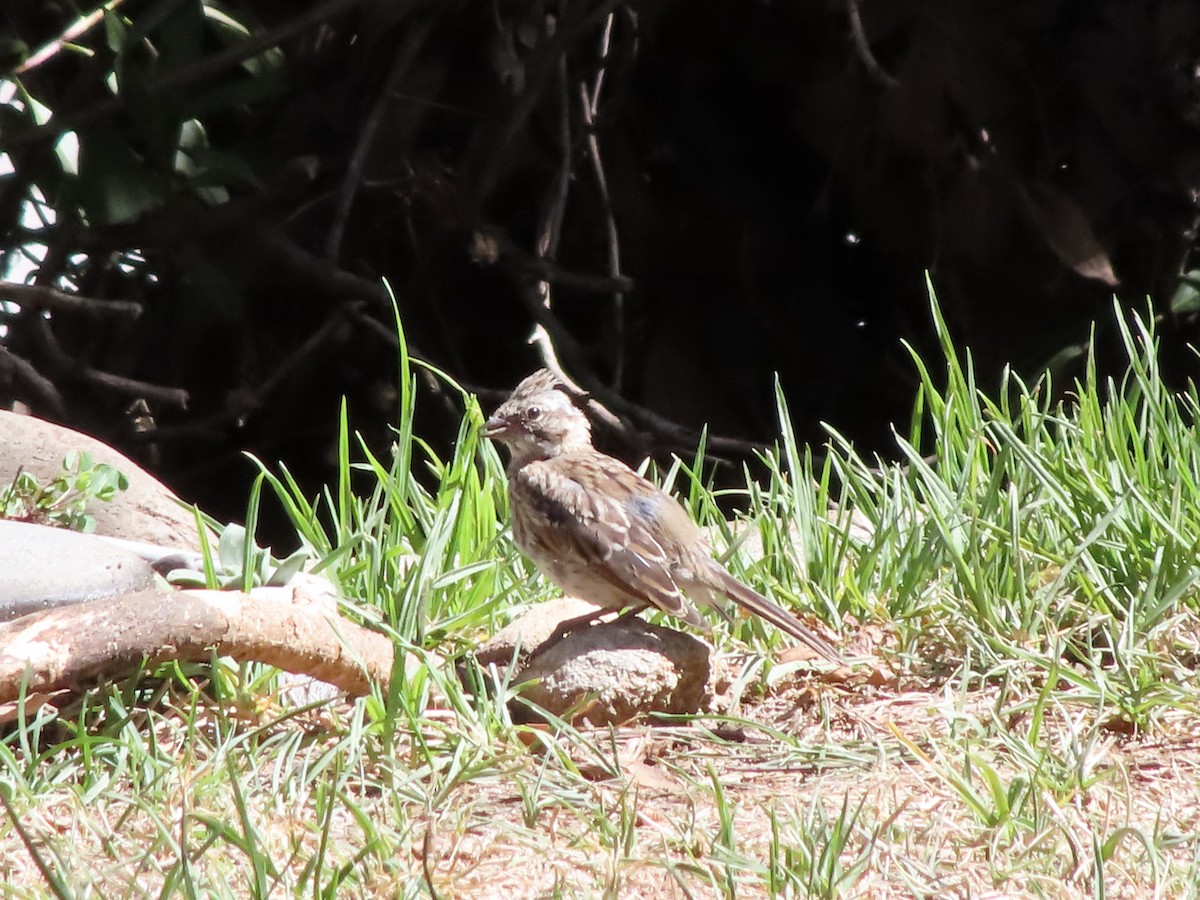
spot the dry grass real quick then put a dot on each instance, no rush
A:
(865, 776)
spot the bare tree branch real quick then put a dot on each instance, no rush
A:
(133, 387)
(574, 359)
(590, 101)
(248, 400)
(338, 282)
(56, 362)
(77, 29)
(39, 390)
(858, 36)
(406, 54)
(39, 296)
(498, 247)
(494, 142)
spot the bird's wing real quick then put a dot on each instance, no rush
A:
(601, 512)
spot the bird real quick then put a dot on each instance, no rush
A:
(601, 531)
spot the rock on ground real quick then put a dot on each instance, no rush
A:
(607, 673)
(147, 511)
(43, 568)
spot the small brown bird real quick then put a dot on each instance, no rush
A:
(601, 531)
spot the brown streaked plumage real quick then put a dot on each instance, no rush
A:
(601, 531)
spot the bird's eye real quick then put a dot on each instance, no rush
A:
(533, 413)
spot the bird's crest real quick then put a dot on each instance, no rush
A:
(544, 380)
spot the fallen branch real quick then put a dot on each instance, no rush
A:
(73, 645)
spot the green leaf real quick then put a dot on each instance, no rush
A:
(217, 167)
(287, 569)
(115, 31)
(1186, 300)
(180, 39)
(231, 547)
(115, 185)
(239, 91)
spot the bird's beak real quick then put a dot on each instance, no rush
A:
(497, 426)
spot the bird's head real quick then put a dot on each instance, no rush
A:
(541, 419)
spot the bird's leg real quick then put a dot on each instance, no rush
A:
(630, 611)
(567, 626)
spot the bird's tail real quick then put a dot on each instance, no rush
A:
(754, 602)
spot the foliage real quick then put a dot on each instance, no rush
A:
(240, 563)
(64, 501)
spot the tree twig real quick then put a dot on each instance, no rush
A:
(494, 141)
(554, 206)
(500, 248)
(575, 359)
(590, 102)
(44, 396)
(550, 231)
(858, 37)
(249, 400)
(75, 30)
(40, 296)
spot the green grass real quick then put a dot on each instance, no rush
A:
(1022, 583)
